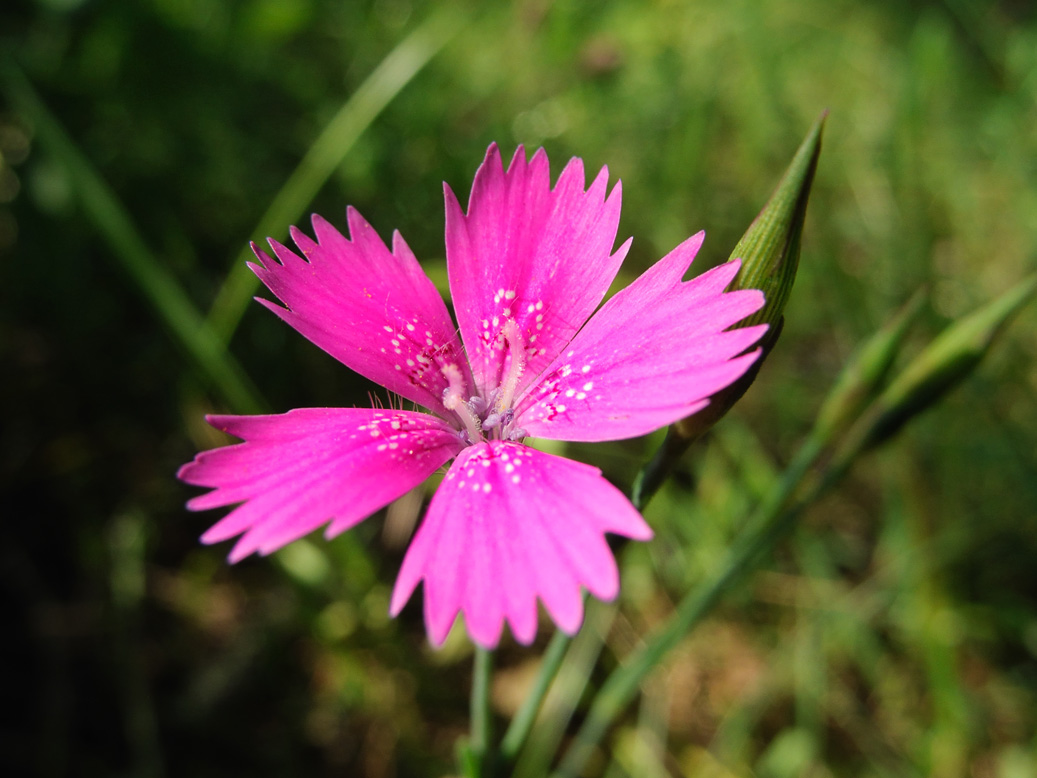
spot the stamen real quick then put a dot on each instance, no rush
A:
(453, 400)
(517, 352)
(500, 420)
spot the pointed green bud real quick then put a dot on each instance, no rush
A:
(864, 375)
(769, 251)
(952, 356)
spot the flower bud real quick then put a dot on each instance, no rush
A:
(952, 356)
(865, 374)
(769, 251)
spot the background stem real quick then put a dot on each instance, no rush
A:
(480, 713)
(521, 724)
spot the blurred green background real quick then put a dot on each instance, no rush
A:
(142, 143)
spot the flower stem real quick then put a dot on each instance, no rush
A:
(562, 701)
(480, 713)
(655, 473)
(521, 724)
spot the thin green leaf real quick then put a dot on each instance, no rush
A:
(154, 282)
(326, 154)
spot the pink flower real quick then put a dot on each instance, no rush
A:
(528, 265)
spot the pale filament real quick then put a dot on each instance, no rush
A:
(517, 363)
(454, 401)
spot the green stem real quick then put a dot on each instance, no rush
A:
(655, 473)
(561, 703)
(480, 712)
(522, 723)
(771, 522)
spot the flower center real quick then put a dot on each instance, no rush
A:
(492, 416)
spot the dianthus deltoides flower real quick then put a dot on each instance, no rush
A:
(528, 265)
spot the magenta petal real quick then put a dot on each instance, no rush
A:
(510, 524)
(527, 253)
(299, 470)
(652, 355)
(374, 310)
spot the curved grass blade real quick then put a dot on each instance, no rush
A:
(326, 154)
(153, 280)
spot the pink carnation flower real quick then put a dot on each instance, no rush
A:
(528, 265)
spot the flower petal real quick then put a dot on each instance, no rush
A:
(509, 524)
(527, 253)
(302, 469)
(374, 310)
(652, 355)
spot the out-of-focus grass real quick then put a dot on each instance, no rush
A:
(895, 634)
